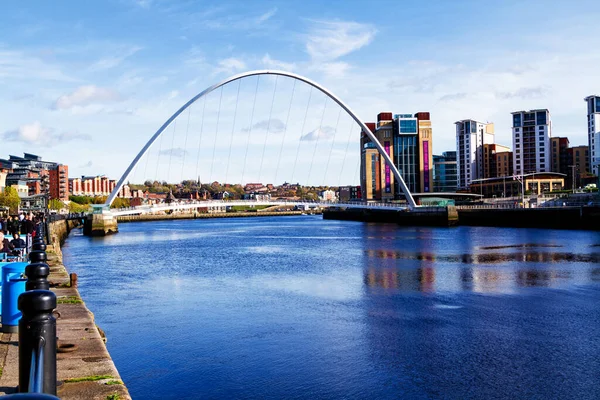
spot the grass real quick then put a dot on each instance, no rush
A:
(113, 396)
(90, 378)
(247, 208)
(114, 382)
(69, 300)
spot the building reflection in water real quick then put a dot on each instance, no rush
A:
(483, 273)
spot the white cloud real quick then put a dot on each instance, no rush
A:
(273, 125)
(114, 60)
(231, 65)
(330, 40)
(36, 134)
(85, 95)
(271, 63)
(337, 69)
(266, 16)
(324, 133)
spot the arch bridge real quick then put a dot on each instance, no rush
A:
(106, 214)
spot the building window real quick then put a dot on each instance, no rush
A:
(541, 118)
(516, 120)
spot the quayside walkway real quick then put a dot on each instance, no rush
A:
(85, 369)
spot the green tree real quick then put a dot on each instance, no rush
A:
(56, 204)
(10, 198)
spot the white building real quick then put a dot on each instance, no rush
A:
(327, 195)
(531, 133)
(470, 138)
(593, 119)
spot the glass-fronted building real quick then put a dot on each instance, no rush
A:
(445, 172)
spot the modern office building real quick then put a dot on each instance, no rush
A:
(490, 159)
(578, 173)
(559, 155)
(59, 182)
(470, 138)
(407, 139)
(593, 120)
(445, 173)
(531, 131)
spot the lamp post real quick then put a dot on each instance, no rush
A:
(572, 177)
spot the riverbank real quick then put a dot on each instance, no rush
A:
(584, 218)
(166, 217)
(85, 369)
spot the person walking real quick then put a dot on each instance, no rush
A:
(27, 229)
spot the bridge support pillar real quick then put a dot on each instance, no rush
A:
(101, 222)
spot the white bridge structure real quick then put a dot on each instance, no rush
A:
(104, 215)
(191, 205)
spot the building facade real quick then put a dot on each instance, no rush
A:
(470, 138)
(593, 120)
(407, 139)
(491, 159)
(41, 177)
(579, 167)
(445, 172)
(531, 131)
(559, 156)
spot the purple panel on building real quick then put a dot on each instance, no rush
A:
(388, 179)
(426, 166)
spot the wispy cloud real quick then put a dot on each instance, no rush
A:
(37, 134)
(273, 125)
(21, 65)
(266, 16)
(453, 97)
(176, 152)
(330, 40)
(230, 65)
(85, 95)
(524, 93)
(114, 60)
(269, 62)
(86, 165)
(324, 133)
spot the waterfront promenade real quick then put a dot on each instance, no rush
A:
(85, 369)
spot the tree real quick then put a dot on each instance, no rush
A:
(10, 198)
(56, 204)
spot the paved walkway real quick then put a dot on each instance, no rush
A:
(88, 372)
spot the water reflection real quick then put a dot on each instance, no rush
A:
(475, 278)
(488, 258)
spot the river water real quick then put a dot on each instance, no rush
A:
(305, 308)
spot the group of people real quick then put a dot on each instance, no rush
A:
(22, 224)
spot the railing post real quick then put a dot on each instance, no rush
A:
(37, 272)
(37, 324)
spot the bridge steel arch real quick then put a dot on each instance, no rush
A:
(382, 152)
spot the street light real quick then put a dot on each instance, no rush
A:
(573, 177)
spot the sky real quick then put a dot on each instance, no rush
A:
(88, 83)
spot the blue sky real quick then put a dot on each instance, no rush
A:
(88, 84)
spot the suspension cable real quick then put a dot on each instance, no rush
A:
(262, 158)
(185, 142)
(171, 152)
(347, 148)
(319, 132)
(332, 145)
(212, 164)
(158, 159)
(287, 120)
(250, 129)
(200, 141)
(233, 130)
(301, 132)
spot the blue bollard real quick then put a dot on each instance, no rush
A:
(13, 284)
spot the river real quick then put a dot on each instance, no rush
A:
(305, 308)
